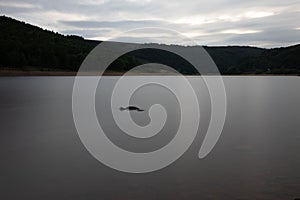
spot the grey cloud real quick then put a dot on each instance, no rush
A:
(115, 24)
(9, 10)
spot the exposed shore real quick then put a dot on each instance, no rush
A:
(8, 73)
(70, 73)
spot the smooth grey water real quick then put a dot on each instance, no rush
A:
(257, 156)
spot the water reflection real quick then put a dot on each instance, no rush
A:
(257, 156)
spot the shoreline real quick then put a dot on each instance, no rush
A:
(16, 73)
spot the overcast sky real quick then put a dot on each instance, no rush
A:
(264, 23)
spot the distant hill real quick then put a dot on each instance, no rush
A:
(251, 60)
(27, 47)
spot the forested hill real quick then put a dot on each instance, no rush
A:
(27, 47)
(251, 60)
(23, 45)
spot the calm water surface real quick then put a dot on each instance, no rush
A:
(257, 156)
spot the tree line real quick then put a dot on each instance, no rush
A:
(27, 47)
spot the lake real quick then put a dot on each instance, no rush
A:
(256, 157)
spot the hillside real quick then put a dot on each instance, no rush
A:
(27, 47)
(24, 46)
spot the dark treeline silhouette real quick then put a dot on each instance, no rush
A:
(24, 46)
(27, 47)
(252, 60)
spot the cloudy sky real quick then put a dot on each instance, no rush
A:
(264, 23)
